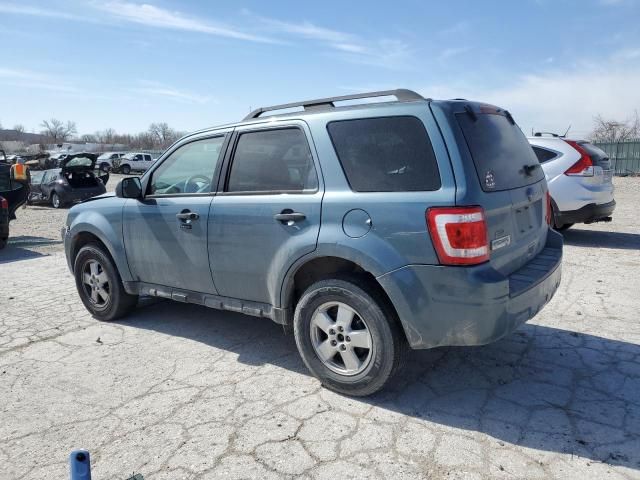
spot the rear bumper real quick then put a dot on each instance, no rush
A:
(588, 213)
(441, 305)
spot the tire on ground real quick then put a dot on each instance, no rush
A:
(389, 344)
(120, 302)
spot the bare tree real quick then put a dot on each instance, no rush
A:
(19, 128)
(614, 131)
(88, 138)
(58, 130)
(106, 136)
(163, 134)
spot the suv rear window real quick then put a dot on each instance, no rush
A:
(390, 154)
(543, 154)
(499, 150)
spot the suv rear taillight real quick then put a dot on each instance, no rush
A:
(459, 234)
(4, 204)
(547, 215)
(584, 166)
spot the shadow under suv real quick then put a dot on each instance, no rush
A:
(368, 227)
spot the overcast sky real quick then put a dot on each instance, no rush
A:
(123, 64)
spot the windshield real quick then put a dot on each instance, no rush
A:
(500, 151)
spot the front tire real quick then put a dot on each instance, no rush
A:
(99, 284)
(347, 338)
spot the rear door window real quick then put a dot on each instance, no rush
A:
(389, 154)
(500, 151)
(272, 161)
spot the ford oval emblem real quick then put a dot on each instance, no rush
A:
(489, 179)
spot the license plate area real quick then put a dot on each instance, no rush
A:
(528, 218)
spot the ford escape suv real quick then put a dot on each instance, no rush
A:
(366, 227)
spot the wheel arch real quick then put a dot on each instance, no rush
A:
(320, 267)
(96, 230)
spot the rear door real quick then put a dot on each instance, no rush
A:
(512, 185)
(268, 213)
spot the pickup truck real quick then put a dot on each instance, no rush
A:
(132, 161)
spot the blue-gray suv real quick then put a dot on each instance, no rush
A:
(368, 227)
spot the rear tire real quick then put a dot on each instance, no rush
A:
(347, 338)
(125, 169)
(56, 202)
(3, 242)
(105, 167)
(99, 284)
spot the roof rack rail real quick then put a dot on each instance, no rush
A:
(402, 95)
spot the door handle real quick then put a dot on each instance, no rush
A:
(289, 217)
(187, 216)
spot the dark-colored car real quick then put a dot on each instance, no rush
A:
(4, 222)
(13, 194)
(74, 181)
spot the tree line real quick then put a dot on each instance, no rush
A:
(157, 137)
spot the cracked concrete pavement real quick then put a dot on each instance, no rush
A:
(184, 392)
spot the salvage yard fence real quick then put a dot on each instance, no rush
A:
(624, 156)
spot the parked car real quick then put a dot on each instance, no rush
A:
(366, 227)
(105, 161)
(579, 176)
(133, 162)
(14, 190)
(4, 222)
(74, 181)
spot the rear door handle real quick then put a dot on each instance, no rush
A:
(289, 217)
(187, 216)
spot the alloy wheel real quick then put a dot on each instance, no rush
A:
(96, 283)
(341, 339)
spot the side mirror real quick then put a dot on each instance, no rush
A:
(129, 187)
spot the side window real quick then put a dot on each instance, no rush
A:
(272, 161)
(543, 154)
(137, 158)
(49, 176)
(36, 178)
(389, 154)
(189, 169)
(147, 158)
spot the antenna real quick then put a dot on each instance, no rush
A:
(568, 128)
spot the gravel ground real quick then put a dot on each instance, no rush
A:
(183, 392)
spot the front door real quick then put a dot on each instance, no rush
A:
(165, 234)
(268, 214)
